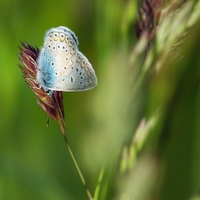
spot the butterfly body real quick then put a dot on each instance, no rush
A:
(61, 66)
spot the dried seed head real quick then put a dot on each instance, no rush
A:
(148, 17)
(51, 104)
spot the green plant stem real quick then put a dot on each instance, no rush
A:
(61, 124)
(77, 167)
(99, 185)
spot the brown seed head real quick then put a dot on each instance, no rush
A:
(51, 104)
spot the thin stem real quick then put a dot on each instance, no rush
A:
(78, 168)
(99, 185)
(61, 123)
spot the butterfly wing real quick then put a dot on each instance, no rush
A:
(61, 66)
(79, 76)
(57, 57)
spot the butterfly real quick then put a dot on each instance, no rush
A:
(61, 66)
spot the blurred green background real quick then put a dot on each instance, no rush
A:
(140, 123)
(34, 160)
